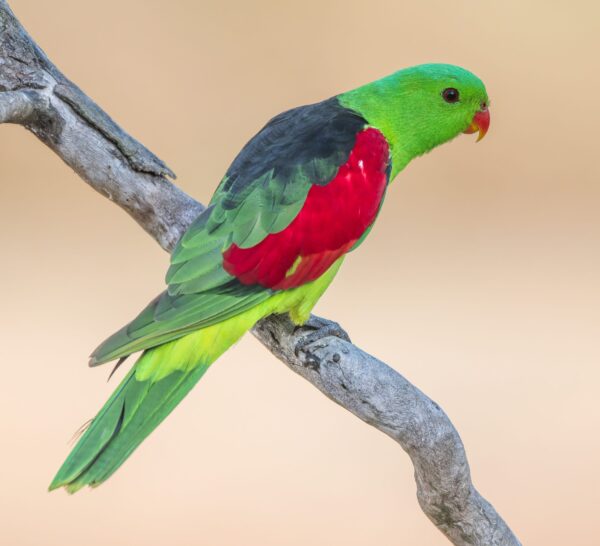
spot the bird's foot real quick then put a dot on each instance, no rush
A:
(317, 329)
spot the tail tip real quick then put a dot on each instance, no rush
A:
(56, 484)
(70, 487)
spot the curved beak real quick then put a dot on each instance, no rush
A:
(480, 123)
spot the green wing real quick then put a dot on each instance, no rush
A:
(261, 193)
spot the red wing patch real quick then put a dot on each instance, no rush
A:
(332, 219)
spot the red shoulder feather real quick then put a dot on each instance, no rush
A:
(333, 218)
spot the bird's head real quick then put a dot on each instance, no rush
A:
(421, 107)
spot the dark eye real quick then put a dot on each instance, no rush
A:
(450, 95)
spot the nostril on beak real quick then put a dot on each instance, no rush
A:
(484, 106)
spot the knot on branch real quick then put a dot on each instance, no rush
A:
(33, 110)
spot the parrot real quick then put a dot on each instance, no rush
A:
(301, 194)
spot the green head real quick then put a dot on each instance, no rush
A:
(421, 107)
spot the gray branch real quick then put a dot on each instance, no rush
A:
(35, 94)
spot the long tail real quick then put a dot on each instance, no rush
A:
(160, 379)
(148, 393)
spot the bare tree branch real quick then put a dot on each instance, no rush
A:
(35, 94)
(17, 106)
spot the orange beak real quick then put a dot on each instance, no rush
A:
(480, 123)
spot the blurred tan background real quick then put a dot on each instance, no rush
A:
(480, 283)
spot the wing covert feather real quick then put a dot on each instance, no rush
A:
(261, 193)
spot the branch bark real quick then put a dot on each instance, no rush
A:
(35, 94)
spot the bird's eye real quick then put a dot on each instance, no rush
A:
(450, 95)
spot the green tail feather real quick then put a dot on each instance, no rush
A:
(160, 379)
(156, 384)
(134, 410)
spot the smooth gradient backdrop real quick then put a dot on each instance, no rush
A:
(480, 282)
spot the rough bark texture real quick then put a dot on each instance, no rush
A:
(35, 94)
